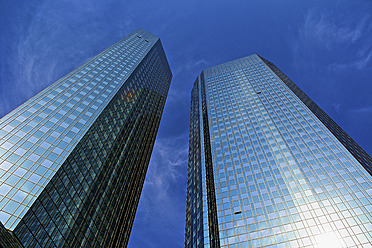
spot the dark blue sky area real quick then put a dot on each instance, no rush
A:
(325, 47)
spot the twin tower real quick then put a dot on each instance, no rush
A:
(267, 167)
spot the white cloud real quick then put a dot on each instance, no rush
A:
(337, 107)
(366, 110)
(327, 31)
(360, 63)
(190, 65)
(335, 33)
(167, 170)
(56, 37)
(168, 157)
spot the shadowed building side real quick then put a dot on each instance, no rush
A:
(358, 152)
(91, 200)
(268, 168)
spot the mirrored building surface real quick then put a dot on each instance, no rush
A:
(73, 159)
(268, 168)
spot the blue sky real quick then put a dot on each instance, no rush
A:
(325, 47)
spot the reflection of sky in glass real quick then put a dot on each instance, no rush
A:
(37, 137)
(282, 179)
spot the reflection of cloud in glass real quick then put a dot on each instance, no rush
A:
(328, 240)
(128, 95)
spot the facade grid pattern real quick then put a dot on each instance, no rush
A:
(196, 225)
(281, 178)
(78, 151)
(358, 152)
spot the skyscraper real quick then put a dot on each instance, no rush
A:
(268, 168)
(74, 157)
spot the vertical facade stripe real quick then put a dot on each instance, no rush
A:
(214, 238)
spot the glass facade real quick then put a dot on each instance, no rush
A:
(283, 174)
(8, 239)
(73, 158)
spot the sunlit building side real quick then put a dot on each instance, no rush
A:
(268, 168)
(73, 158)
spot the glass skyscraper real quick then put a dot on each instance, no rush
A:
(73, 158)
(268, 168)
